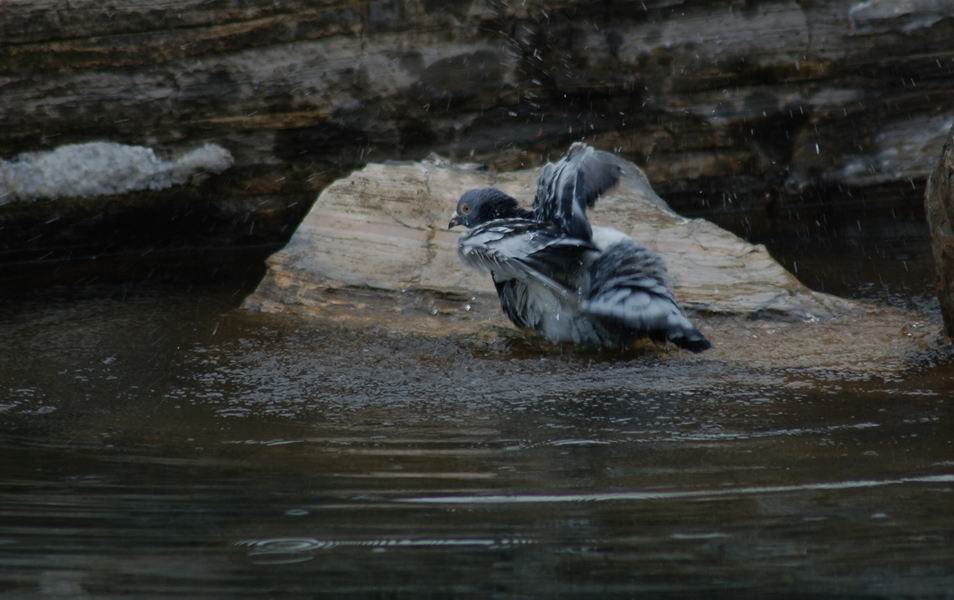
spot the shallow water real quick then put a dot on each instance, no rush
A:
(157, 442)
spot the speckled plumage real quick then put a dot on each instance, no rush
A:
(565, 189)
(560, 277)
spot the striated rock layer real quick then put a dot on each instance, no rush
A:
(745, 101)
(384, 228)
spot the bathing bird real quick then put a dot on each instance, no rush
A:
(559, 276)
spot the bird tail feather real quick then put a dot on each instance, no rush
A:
(628, 286)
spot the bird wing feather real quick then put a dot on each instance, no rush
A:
(527, 251)
(566, 188)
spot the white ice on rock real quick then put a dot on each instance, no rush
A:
(101, 169)
(874, 16)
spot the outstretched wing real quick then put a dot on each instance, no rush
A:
(566, 188)
(629, 286)
(527, 251)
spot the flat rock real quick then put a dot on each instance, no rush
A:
(384, 227)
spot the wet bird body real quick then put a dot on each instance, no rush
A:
(560, 277)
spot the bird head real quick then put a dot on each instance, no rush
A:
(479, 206)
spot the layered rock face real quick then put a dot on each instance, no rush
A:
(724, 102)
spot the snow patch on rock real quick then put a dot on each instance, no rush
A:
(878, 16)
(103, 169)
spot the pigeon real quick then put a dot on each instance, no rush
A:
(557, 275)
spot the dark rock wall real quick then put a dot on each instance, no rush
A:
(939, 207)
(729, 102)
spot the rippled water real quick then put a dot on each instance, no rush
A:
(157, 442)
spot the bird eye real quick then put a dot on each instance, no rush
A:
(465, 208)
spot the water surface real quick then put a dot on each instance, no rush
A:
(157, 442)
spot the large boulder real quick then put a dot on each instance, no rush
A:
(384, 227)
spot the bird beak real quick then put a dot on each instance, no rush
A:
(454, 222)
